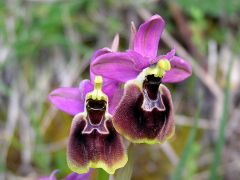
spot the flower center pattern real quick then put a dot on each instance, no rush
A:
(95, 119)
(151, 95)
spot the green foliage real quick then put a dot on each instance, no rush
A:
(236, 42)
(191, 164)
(214, 7)
(198, 26)
(221, 134)
(41, 157)
(204, 19)
(188, 151)
(60, 162)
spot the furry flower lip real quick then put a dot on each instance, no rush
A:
(93, 142)
(145, 112)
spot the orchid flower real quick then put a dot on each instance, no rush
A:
(93, 141)
(145, 112)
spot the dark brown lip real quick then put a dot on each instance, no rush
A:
(149, 118)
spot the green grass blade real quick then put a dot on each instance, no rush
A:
(221, 137)
(188, 147)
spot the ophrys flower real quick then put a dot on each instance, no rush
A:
(145, 113)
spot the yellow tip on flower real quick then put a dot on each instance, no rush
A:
(164, 64)
(97, 93)
(98, 82)
(159, 70)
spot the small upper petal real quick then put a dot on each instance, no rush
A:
(169, 56)
(94, 56)
(85, 87)
(180, 70)
(100, 52)
(148, 35)
(109, 87)
(68, 100)
(119, 66)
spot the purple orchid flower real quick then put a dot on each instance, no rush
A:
(145, 112)
(93, 141)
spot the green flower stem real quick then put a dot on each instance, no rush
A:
(102, 175)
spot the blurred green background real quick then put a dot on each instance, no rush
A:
(45, 44)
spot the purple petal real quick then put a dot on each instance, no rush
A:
(68, 100)
(148, 36)
(95, 55)
(76, 176)
(169, 56)
(119, 66)
(180, 70)
(85, 87)
(100, 52)
(109, 87)
(141, 62)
